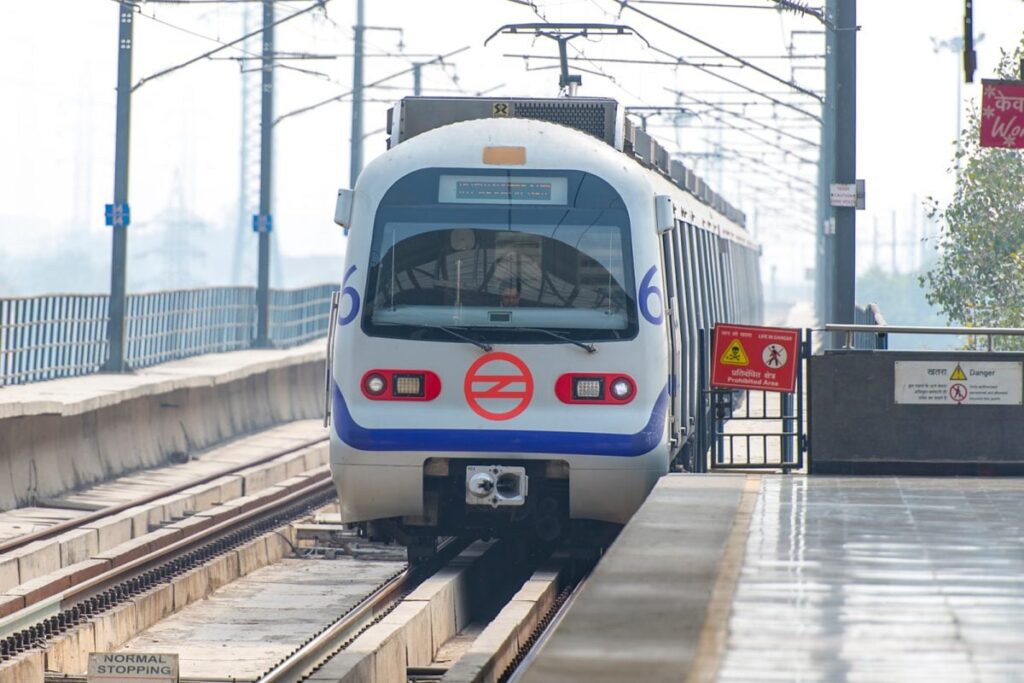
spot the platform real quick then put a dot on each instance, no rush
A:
(785, 578)
(75, 395)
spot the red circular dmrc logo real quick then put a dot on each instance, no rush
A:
(498, 386)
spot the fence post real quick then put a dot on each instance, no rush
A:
(700, 454)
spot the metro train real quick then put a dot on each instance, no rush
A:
(514, 346)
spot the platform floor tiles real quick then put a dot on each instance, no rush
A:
(881, 579)
(753, 578)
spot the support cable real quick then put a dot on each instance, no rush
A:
(625, 4)
(342, 96)
(224, 46)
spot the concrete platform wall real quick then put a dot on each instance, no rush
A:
(57, 436)
(856, 426)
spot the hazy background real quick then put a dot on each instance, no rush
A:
(58, 76)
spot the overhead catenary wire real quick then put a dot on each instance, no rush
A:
(714, 107)
(342, 96)
(754, 91)
(223, 46)
(625, 4)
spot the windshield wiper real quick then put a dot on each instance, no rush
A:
(589, 348)
(464, 337)
(458, 335)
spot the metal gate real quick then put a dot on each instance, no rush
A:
(750, 429)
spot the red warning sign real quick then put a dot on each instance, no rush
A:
(749, 357)
(498, 386)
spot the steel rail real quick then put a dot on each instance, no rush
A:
(335, 637)
(56, 529)
(320, 483)
(34, 625)
(545, 629)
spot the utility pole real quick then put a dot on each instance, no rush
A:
(845, 71)
(117, 214)
(356, 151)
(248, 176)
(263, 222)
(417, 84)
(824, 254)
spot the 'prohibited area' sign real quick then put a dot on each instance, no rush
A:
(749, 357)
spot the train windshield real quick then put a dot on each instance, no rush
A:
(503, 256)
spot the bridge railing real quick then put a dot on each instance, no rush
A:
(64, 335)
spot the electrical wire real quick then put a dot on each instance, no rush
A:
(713, 107)
(624, 4)
(339, 97)
(223, 46)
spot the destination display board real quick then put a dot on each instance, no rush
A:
(950, 382)
(750, 357)
(132, 667)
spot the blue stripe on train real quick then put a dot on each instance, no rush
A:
(500, 440)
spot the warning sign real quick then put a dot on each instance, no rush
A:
(748, 357)
(132, 667)
(735, 355)
(964, 383)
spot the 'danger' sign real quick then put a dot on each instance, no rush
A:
(749, 357)
(1002, 114)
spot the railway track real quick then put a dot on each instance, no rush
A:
(84, 520)
(58, 606)
(335, 637)
(56, 611)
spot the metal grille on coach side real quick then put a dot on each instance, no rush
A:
(416, 115)
(588, 117)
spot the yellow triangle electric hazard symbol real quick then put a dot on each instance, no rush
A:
(735, 355)
(958, 374)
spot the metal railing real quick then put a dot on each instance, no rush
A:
(51, 336)
(298, 315)
(64, 335)
(163, 326)
(854, 332)
(869, 317)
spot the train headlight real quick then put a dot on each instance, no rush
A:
(381, 384)
(600, 388)
(375, 385)
(588, 388)
(408, 385)
(621, 388)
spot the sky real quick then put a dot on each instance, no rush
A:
(57, 125)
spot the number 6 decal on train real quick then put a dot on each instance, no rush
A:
(648, 290)
(353, 297)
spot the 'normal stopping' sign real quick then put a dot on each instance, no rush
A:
(958, 383)
(132, 667)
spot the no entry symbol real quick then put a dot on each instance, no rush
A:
(498, 386)
(958, 392)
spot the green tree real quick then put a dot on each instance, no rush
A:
(978, 279)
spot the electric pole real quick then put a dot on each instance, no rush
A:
(117, 214)
(356, 151)
(845, 57)
(824, 254)
(263, 222)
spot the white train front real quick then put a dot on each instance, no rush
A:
(509, 350)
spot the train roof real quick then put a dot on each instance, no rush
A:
(596, 116)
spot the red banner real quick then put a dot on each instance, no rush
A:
(748, 357)
(1002, 114)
